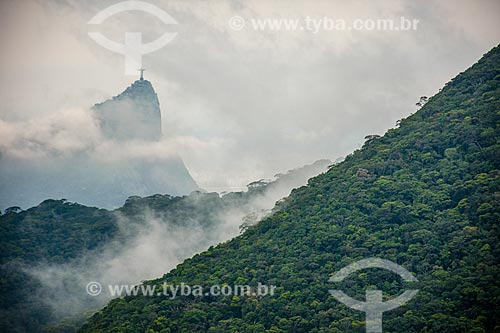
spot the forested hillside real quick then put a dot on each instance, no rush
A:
(426, 195)
(57, 234)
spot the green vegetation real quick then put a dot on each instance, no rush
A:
(425, 195)
(53, 232)
(56, 232)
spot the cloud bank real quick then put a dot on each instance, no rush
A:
(244, 104)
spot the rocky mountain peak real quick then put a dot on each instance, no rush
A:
(134, 114)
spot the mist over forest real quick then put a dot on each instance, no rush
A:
(344, 157)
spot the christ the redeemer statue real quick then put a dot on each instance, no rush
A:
(142, 73)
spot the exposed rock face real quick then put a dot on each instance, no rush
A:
(133, 114)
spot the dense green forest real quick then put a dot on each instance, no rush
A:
(426, 195)
(56, 232)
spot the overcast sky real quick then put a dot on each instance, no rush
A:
(242, 104)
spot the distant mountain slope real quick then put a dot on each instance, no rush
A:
(425, 195)
(57, 233)
(130, 121)
(133, 114)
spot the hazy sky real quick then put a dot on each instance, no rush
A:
(238, 105)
